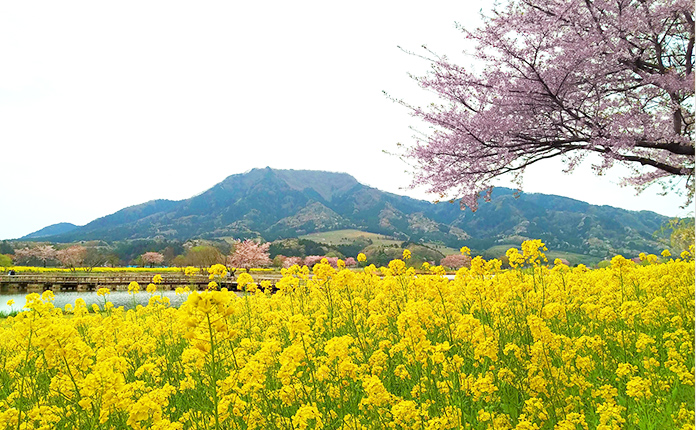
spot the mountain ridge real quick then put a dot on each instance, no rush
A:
(277, 204)
(51, 230)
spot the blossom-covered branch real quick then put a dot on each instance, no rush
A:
(565, 78)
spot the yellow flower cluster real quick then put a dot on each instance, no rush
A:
(34, 269)
(533, 348)
(217, 270)
(191, 271)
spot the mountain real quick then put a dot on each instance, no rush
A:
(51, 230)
(276, 204)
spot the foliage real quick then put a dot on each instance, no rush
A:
(95, 256)
(6, 248)
(682, 235)
(201, 256)
(297, 247)
(312, 248)
(129, 250)
(533, 348)
(565, 79)
(5, 260)
(248, 254)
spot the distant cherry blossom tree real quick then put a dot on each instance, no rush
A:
(564, 78)
(23, 255)
(311, 260)
(350, 262)
(249, 254)
(72, 257)
(291, 261)
(43, 253)
(152, 258)
(333, 261)
(456, 261)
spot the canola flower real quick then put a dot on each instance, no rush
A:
(34, 269)
(191, 271)
(133, 287)
(188, 271)
(529, 348)
(216, 273)
(217, 270)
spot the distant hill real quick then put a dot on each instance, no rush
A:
(276, 204)
(51, 230)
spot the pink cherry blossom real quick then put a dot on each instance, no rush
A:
(249, 254)
(564, 78)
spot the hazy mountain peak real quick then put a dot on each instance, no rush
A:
(326, 184)
(51, 230)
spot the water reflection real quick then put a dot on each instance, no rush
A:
(118, 298)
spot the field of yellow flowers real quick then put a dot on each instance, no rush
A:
(111, 270)
(529, 348)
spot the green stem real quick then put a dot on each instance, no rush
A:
(213, 372)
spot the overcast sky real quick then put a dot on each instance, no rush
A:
(105, 105)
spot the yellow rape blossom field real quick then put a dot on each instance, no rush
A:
(529, 348)
(33, 269)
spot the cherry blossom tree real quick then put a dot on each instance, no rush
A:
(564, 78)
(45, 253)
(41, 252)
(152, 258)
(333, 261)
(456, 261)
(350, 262)
(23, 255)
(72, 257)
(311, 260)
(291, 261)
(250, 254)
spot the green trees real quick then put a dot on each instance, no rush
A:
(682, 234)
(5, 260)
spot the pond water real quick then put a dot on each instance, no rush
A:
(118, 298)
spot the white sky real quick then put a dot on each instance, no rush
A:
(104, 105)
